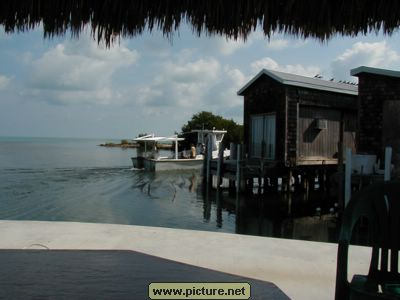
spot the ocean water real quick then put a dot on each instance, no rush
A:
(55, 179)
(59, 179)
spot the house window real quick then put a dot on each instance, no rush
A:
(263, 136)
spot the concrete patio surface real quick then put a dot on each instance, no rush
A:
(301, 269)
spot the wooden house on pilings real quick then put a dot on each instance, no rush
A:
(296, 125)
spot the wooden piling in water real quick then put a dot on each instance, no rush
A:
(243, 173)
(289, 178)
(208, 159)
(388, 159)
(219, 166)
(347, 177)
(238, 171)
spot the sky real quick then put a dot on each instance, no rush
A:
(67, 87)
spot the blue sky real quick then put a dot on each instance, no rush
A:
(66, 87)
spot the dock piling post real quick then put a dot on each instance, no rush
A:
(289, 179)
(347, 177)
(260, 176)
(232, 147)
(209, 157)
(238, 171)
(388, 159)
(219, 166)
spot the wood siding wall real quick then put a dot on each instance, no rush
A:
(379, 120)
(322, 144)
(266, 96)
(304, 142)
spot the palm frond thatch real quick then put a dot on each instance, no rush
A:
(235, 19)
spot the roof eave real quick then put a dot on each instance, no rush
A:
(294, 83)
(241, 91)
(374, 71)
(327, 89)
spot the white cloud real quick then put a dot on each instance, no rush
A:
(180, 83)
(27, 57)
(377, 54)
(4, 82)
(185, 86)
(228, 47)
(277, 44)
(197, 71)
(221, 46)
(223, 96)
(269, 63)
(237, 77)
(78, 71)
(232, 80)
(3, 34)
(281, 41)
(264, 63)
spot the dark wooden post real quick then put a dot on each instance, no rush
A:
(219, 166)
(288, 180)
(238, 171)
(340, 169)
(209, 157)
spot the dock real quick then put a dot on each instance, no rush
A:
(262, 176)
(244, 174)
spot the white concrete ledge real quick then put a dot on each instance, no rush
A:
(303, 270)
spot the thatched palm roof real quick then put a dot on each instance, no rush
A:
(233, 18)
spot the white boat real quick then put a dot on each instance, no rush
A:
(150, 160)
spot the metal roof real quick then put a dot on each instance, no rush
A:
(376, 71)
(303, 81)
(153, 138)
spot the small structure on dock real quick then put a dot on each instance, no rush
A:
(379, 113)
(293, 120)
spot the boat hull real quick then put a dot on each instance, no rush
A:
(149, 164)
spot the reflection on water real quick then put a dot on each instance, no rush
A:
(40, 180)
(283, 216)
(291, 216)
(168, 199)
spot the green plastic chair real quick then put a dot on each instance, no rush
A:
(379, 203)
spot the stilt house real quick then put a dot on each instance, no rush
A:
(293, 120)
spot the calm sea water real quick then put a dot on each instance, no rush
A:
(55, 179)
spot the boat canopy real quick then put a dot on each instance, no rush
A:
(152, 138)
(155, 139)
(203, 136)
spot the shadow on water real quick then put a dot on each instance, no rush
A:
(165, 199)
(75, 180)
(278, 214)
